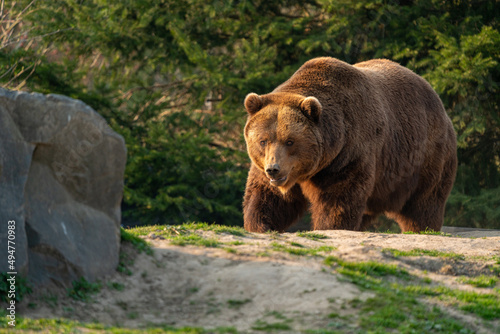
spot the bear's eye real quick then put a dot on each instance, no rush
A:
(263, 143)
(289, 142)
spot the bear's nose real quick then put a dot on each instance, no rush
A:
(272, 170)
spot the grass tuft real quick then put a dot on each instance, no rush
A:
(82, 289)
(267, 327)
(485, 305)
(312, 236)
(423, 252)
(138, 243)
(430, 232)
(482, 281)
(369, 268)
(298, 249)
(195, 240)
(219, 229)
(237, 303)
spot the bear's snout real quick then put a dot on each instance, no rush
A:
(273, 173)
(272, 170)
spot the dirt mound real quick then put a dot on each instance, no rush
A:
(291, 282)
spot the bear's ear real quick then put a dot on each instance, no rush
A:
(253, 103)
(311, 107)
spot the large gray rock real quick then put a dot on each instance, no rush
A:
(61, 181)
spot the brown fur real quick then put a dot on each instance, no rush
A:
(353, 142)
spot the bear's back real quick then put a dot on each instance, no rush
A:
(401, 82)
(319, 76)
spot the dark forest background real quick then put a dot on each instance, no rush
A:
(170, 76)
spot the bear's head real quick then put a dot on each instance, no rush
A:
(283, 138)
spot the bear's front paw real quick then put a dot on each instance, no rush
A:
(256, 227)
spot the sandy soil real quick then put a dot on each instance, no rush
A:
(250, 283)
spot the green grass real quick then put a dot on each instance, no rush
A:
(333, 315)
(399, 312)
(131, 237)
(485, 305)
(70, 326)
(261, 325)
(394, 229)
(421, 252)
(397, 308)
(82, 289)
(168, 231)
(369, 268)
(116, 286)
(276, 315)
(482, 281)
(219, 229)
(237, 303)
(296, 244)
(195, 240)
(185, 234)
(282, 325)
(367, 275)
(495, 268)
(234, 243)
(312, 235)
(298, 249)
(125, 261)
(430, 232)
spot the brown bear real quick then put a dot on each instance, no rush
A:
(348, 142)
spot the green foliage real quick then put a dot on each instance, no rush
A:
(481, 210)
(170, 76)
(176, 173)
(22, 287)
(82, 289)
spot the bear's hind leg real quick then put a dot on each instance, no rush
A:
(425, 208)
(420, 214)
